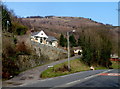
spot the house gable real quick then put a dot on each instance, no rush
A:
(41, 34)
(42, 38)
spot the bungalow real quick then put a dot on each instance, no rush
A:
(42, 38)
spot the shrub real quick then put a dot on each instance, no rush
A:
(62, 69)
(9, 68)
(72, 53)
(15, 40)
(9, 51)
(19, 29)
(22, 49)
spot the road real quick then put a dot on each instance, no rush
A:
(109, 79)
(31, 75)
(96, 78)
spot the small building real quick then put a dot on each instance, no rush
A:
(42, 38)
(114, 56)
(77, 50)
(52, 41)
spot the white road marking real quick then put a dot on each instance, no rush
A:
(81, 79)
(89, 77)
(114, 74)
(106, 71)
(74, 82)
(95, 75)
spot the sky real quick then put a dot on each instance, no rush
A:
(104, 12)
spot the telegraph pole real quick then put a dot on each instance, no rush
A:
(68, 42)
(68, 51)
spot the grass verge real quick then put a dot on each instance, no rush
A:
(76, 66)
(61, 69)
(116, 64)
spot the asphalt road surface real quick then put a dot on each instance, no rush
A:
(23, 78)
(109, 79)
(96, 78)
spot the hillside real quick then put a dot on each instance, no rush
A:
(54, 26)
(93, 37)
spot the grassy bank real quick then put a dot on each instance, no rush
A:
(76, 66)
(116, 64)
(61, 69)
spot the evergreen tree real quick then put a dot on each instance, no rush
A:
(105, 53)
(65, 42)
(72, 41)
(96, 51)
(5, 17)
(62, 41)
(80, 41)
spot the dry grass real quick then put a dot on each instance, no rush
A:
(62, 69)
(76, 66)
(116, 64)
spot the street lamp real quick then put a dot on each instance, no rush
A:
(69, 48)
(7, 24)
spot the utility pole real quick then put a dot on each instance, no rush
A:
(68, 51)
(68, 42)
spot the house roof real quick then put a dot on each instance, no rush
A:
(34, 33)
(40, 34)
(75, 48)
(51, 38)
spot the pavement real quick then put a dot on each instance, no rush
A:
(31, 75)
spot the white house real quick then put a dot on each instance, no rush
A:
(77, 50)
(114, 56)
(42, 38)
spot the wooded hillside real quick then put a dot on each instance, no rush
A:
(97, 40)
(54, 26)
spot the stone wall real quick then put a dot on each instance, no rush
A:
(41, 54)
(53, 53)
(28, 61)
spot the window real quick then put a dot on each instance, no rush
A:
(36, 38)
(44, 38)
(40, 40)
